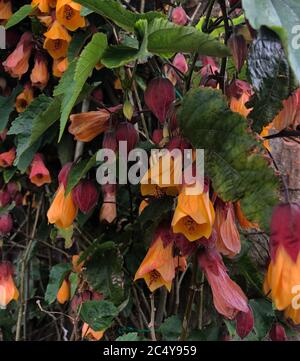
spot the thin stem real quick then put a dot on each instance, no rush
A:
(152, 318)
(227, 34)
(201, 303)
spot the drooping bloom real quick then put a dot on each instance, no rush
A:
(62, 211)
(159, 265)
(63, 294)
(57, 41)
(238, 105)
(17, 62)
(24, 98)
(108, 211)
(194, 215)
(284, 269)
(126, 132)
(68, 14)
(59, 67)
(180, 63)
(40, 75)
(44, 5)
(7, 158)
(163, 176)
(228, 297)
(87, 126)
(179, 16)
(8, 290)
(228, 237)
(77, 267)
(5, 9)
(6, 224)
(39, 174)
(243, 221)
(88, 333)
(85, 196)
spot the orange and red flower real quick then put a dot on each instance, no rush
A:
(68, 14)
(44, 5)
(228, 297)
(88, 333)
(8, 290)
(57, 41)
(7, 158)
(39, 174)
(17, 62)
(40, 75)
(63, 294)
(24, 98)
(108, 212)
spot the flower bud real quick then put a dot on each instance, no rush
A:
(239, 50)
(5, 198)
(64, 173)
(179, 16)
(63, 294)
(6, 224)
(159, 96)
(13, 188)
(7, 158)
(126, 132)
(85, 196)
(180, 63)
(8, 290)
(244, 323)
(110, 141)
(277, 333)
(157, 136)
(39, 174)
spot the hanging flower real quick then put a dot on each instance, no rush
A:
(238, 105)
(87, 126)
(228, 297)
(24, 98)
(39, 174)
(7, 158)
(158, 267)
(194, 215)
(244, 323)
(40, 75)
(57, 41)
(6, 224)
(17, 62)
(88, 333)
(5, 9)
(284, 269)
(8, 290)
(85, 196)
(108, 212)
(179, 16)
(77, 267)
(62, 211)
(59, 67)
(162, 178)
(68, 14)
(63, 294)
(277, 333)
(228, 236)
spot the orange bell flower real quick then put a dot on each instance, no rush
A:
(40, 75)
(17, 63)
(88, 333)
(62, 211)
(87, 126)
(5, 9)
(63, 294)
(24, 99)
(228, 297)
(8, 290)
(57, 41)
(284, 269)
(228, 236)
(44, 5)
(39, 174)
(194, 215)
(59, 67)
(68, 14)
(162, 178)
(238, 104)
(7, 158)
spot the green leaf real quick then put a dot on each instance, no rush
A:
(78, 171)
(166, 37)
(76, 45)
(263, 316)
(6, 209)
(67, 235)
(19, 15)
(281, 17)
(98, 315)
(8, 173)
(171, 328)
(7, 105)
(236, 171)
(88, 59)
(73, 278)
(57, 275)
(114, 11)
(131, 336)
(104, 272)
(271, 76)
